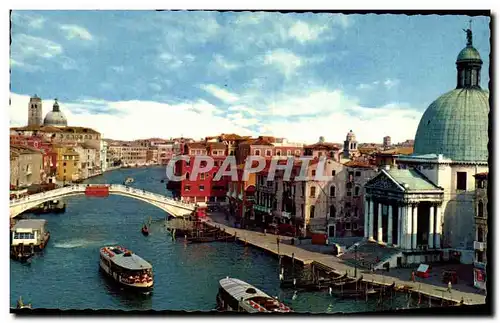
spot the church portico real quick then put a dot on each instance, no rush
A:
(403, 211)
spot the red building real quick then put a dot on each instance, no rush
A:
(203, 188)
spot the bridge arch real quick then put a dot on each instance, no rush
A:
(167, 204)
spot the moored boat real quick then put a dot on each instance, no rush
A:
(20, 304)
(126, 268)
(237, 295)
(145, 230)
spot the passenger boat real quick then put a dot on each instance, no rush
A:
(237, 295)
(128, 180)
(28, 237)
(126, 268)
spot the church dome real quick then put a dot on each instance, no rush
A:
(456, 124)
(55, 117)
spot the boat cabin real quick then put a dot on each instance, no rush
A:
(27, 232)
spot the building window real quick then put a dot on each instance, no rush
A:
(214, 152)
(480, 209)
(332, 191)
(356, 191)
(202, 176)
(333, 211)
(187, 188)
(348, 185)
(187, 175)
(289, 153)
(311, 212)
(313, 173)
(202, 188)
(320, 154)
(358, 173)
(278, 152)
(297, 152)
(348, 226)
(268, 152)
(480, 236)
(257, 152)
(74, 164)
(462, 181)
(64, 171)
(64, 164)
(313, 192)
(333, 173)
(354, 226)
(203, 163)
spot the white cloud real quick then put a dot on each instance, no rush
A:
(390, 83)
(136, 119)
(25, 47)
(224, 63)
(304, 32)
(173, 61)
(219, 93)
(284, 60)
(75, 31)
(30, 20)
(245, 109)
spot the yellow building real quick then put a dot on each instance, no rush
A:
(68, 164)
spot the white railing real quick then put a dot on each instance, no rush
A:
(80, 188)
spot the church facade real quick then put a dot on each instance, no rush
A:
(424, 205)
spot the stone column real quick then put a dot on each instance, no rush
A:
(400, 218)
(408, 222)
(366, 215)
(389, 226)
(431, 227)
(414, 227)
(370, 220)
(379, 224)
(437, 235)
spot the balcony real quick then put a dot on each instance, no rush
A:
(481, 246)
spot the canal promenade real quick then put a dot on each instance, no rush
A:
(269, 243)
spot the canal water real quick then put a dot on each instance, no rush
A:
(66, 275)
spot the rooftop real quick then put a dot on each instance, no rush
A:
(35, 224)
(415, 180)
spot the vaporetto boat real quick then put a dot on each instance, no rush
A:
(237, 295)
(126, 268)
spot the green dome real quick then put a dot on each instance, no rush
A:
(456, 126)
(468, 53)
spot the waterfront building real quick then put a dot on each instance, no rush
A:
(425, 206)
(165, 152)
(68, 164)
(481, 219)
(127, 154)
(35, 111)
(26, 166)
(241, 196)
(203, 188)
(103, 155)
(152, 155)
(55, 118)
(88, 162)
(350, 222)
(350, 146)
(283, 147)
(255, 147)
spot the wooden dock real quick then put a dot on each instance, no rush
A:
(268, 243)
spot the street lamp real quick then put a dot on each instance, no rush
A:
(356, 259)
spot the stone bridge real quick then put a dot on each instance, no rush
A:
(167, 204)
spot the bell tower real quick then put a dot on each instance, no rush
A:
(35, 111)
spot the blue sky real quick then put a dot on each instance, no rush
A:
(137, 74)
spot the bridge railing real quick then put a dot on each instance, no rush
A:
(116, 187)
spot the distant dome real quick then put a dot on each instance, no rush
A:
(456, 125)
(55, 118)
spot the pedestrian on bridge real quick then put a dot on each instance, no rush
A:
(449, 286)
